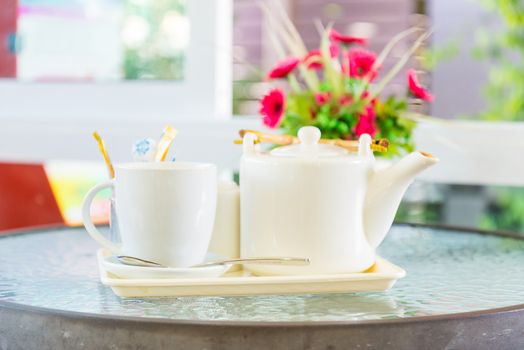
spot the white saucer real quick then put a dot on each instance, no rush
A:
(111, 264)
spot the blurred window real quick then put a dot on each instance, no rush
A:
(113, 61)
(97, 40)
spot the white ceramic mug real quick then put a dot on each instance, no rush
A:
(165, 211)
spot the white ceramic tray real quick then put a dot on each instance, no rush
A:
(382, 276)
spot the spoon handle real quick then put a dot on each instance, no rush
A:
(134, 261)
(268, 261)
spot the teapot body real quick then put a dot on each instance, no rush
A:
(305, 207)
(314, 200)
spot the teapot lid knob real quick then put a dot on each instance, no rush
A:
(249, 143)
(364, 146)
(309, 146)
(309, 135)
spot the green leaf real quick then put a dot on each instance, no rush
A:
(342, 128)
(323, 120)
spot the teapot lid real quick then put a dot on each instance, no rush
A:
(309, 137)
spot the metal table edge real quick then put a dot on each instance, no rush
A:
(497, 312)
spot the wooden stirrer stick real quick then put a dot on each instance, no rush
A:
(103, 150)
(379, 145)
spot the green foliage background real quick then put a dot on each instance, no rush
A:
(505, 96)
(505, 50)
(150, 60)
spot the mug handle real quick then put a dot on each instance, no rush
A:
(88, 222)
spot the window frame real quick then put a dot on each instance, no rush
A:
(207, 71)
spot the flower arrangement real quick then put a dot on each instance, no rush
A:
(334, 88)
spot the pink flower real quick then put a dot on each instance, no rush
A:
(366, 123)
(333, 50)
(361, 63)
(322, 98)
(345, 100)
(272, 108)
(283, 68)
(416, 89)
(313, 58)
(366, 95)
(346, 39)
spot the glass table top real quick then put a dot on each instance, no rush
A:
(447, 272)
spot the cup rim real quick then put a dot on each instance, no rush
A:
(164, 166)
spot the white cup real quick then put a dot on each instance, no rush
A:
(165, 211)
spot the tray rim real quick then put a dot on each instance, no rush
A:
(395, 274)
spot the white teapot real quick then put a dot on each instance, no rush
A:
(320, 202)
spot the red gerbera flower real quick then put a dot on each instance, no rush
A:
(346, 39)
(416, 89)
(366, 123)
(361, 63)
(345, 100)
(283, 68)
(272, 108)
(322, 98)
(333, 50)
(313, 58)
(366, 95)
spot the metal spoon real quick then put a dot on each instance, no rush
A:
(134, 261)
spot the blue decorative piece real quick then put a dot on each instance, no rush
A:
(13, 43)
(144, 150)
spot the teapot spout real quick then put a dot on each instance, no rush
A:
(385, 190)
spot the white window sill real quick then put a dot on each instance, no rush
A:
(469, 152)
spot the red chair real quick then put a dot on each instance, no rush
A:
(26, 198)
